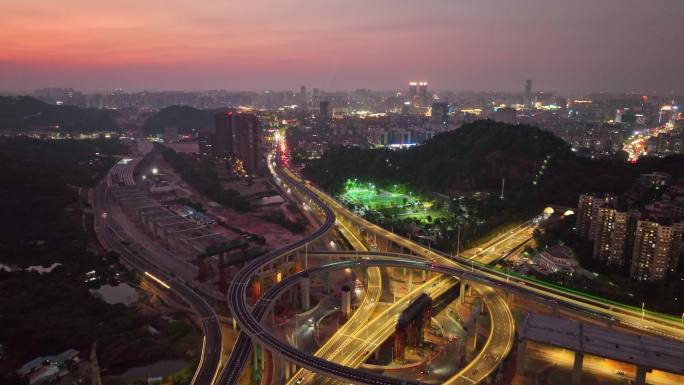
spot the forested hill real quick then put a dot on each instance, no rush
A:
(475, 157)
(26, 113)
(184, 118)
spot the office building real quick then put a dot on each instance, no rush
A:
(667, 114)
(614, 237)
(528, 100)
(440, 112)
(413, 93)
(423, 99)
(657, 246)
(406, 107)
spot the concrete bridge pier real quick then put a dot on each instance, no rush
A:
(256, 289)
(462, 292)
(510, 298)
(471, 345)
(521, 357)
(287, 368)
(410, 281)
(577, 368)
(305, 285)
(346, 303)
(326, 283)
(640, 378)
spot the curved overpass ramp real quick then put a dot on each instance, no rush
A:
(251, 323)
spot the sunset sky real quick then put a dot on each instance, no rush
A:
(563, 45)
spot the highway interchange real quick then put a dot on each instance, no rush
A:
(479, 274)
(480, 368)
(486, 281)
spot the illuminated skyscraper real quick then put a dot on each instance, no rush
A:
(528, 100)
(413, 92)
(422, 94)
(668, 114)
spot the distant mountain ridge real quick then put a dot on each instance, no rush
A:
(184, 118)
(22, 113)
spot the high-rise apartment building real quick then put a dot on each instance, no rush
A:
(222, 143)
(246, 144)
(302, 94)
(657, 247)
(205, 140)
(440, 112)
(506, 115)
(324, 111)
(614, 236)
(236, 135)
(587, 213)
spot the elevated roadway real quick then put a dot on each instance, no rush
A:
(609, 311)
(114, 238)
(502, 336)
(251, 322)
(478, 275)
(243, 346)
(341, 341)
(237, 302)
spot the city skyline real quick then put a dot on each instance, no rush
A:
(320, 192)
(614, 46)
